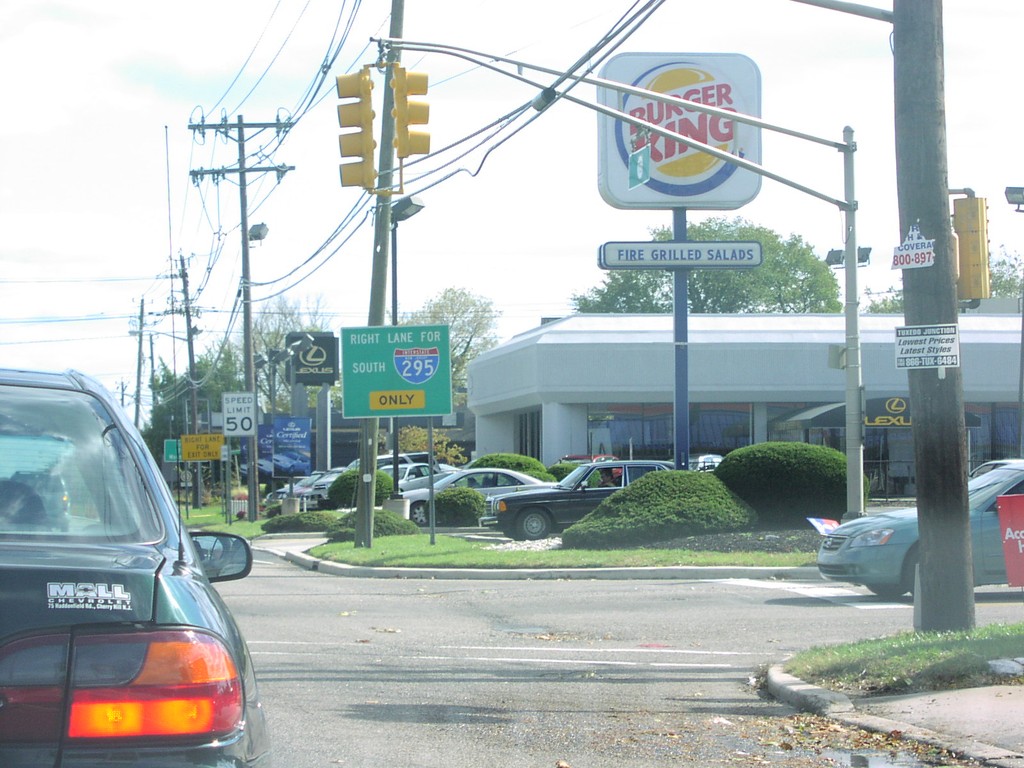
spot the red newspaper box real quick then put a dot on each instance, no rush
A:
(1011, 527)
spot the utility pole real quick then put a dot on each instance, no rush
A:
(946, 594)
(138, 365)
(193, 383)
(378, 284)
(247, 353)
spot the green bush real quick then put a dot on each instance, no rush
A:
(342, 492)
(560, 470)
(786, 482)
(525, 464)
(660, 506)
(303, 521)
(385, 523)
(459, 507)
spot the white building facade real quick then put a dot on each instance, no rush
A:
(600, 384)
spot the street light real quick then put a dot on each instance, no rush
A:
(402, 209)
(1015, 196)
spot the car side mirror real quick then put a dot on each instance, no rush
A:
(224, 556)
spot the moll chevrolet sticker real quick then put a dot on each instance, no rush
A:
(681, 176)
(87, 596)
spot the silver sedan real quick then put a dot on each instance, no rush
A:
(487, 481)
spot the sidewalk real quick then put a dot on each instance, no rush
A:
(984, 724)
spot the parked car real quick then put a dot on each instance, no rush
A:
(115, 648)
(880, 551)
(385, 460)
(536, 514)
(705, 462)
(317, 494)
(486, 481)
(299, 486)
(408, 472)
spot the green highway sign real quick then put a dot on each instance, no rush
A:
(396, 370)
(172, 451)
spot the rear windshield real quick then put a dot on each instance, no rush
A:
(66, 473)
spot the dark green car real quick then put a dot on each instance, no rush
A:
(536, 514)
(115, 649)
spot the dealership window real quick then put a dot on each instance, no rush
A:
(645, 430)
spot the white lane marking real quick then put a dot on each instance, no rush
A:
(830, 593)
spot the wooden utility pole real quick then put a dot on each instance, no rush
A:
(946, 594)
(378, 285)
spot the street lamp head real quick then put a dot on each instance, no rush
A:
(258, 231)
(1015, 196)
(301, 344)
(835, 257)
(406, 208)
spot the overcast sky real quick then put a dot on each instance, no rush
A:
(97, 206)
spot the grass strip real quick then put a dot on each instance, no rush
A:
(912, 661)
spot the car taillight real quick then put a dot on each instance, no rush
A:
(32, 676)
(167, 683)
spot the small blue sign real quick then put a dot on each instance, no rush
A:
(418, 364)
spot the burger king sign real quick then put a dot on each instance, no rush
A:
(680, 176)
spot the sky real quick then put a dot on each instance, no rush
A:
(98, 208)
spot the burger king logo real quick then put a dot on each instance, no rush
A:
(680, 173)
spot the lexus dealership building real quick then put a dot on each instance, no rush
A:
(604, 384)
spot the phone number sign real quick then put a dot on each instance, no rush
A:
(402, 370)
(928, 346)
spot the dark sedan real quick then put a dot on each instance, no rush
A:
(535, 514)
(115, 649)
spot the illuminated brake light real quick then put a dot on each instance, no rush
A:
(187, 685)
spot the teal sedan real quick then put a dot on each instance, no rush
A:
(881, 553)
(115, 648)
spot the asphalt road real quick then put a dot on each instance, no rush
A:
(522, 674)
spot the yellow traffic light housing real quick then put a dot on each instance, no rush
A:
(407, 113)
(358, 114)
(970, 222)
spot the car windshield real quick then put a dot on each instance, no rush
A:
(66, 473)
(982, 488)
(571, 480)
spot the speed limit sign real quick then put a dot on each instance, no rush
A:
(239, 414)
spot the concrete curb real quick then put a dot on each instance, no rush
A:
(839, 707)
(272, 544)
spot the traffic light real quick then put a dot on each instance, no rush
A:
(358, 114)
(970, 222)
(408, 113)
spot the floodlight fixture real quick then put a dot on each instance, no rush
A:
(1015, 196)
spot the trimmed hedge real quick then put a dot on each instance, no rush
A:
(525, 464)
(301, 522)
(786, 482)
(658, 507)
(459, 507)
(342, 492)
(560, 470)
(385, 523)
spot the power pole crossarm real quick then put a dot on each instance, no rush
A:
(242, 170)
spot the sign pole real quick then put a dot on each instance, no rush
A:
(680, 338)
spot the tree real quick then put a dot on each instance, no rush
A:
(415, 439)
(270, 327)
(791, 278)
(470, 320)
(219, 370)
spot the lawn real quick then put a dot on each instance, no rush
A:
(912, 661)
